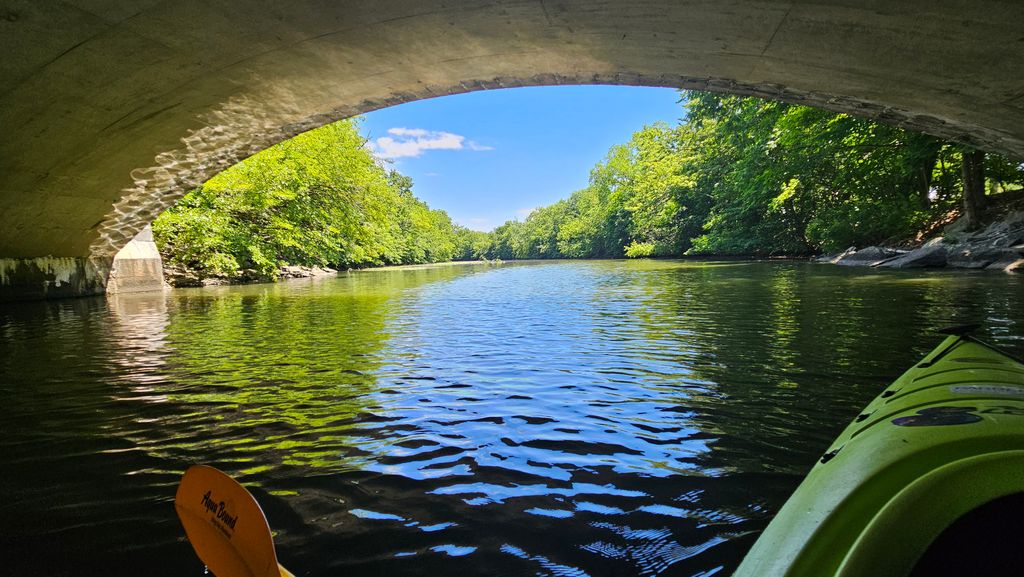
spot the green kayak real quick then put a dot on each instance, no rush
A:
(927, 480)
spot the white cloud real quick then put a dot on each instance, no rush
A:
(412, 142)
(415, 132)
(525, 212)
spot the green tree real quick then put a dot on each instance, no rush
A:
(319, 199)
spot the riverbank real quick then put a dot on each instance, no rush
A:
(997, 245)
(182, 278)
(178, 277)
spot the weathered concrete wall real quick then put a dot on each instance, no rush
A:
(49, 277)
(137, 267)
(112, 110)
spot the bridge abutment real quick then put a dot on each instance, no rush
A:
(136, 268)
(52, 277)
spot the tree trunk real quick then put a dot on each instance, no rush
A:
(924, 179)
(922, 154)
(974, 186)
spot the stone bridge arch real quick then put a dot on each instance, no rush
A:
(110, 110)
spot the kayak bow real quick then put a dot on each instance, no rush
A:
(941, 442)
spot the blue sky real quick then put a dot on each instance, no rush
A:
(491, 156)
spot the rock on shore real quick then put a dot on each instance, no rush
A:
(1000, 246)
(863, 257)
(180, 277)
(304, 272)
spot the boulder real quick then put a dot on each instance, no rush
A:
(867, 256)
(924, 257)
(179, 277)
(969, 256)
(293, 271)
(1005, 232)
(1011, 261)
(1008, 231)
(836, 257)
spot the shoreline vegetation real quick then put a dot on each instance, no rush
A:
(737, 177)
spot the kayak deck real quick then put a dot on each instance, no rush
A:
(945, 438)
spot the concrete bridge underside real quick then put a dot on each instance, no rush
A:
(111, 109)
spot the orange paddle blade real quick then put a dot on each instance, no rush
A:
(225, 525)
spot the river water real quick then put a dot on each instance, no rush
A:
(574, 418)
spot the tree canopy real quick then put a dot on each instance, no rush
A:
(737, 176)
(319, 199)
(745, 176)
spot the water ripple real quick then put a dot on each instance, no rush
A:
(567, 419)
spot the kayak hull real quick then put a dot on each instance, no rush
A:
(944, 439)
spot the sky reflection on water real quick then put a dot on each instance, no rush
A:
(574, 418)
